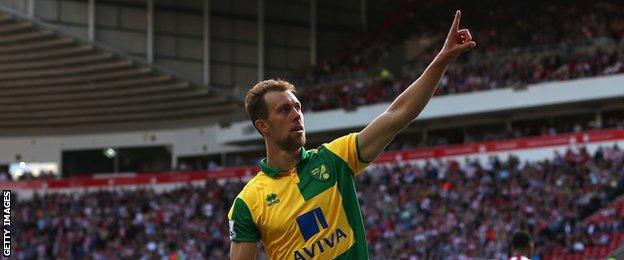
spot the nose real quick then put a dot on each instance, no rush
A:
(297, 116)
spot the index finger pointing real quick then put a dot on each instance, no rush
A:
(455, 26)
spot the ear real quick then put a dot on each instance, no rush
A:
(262, 126)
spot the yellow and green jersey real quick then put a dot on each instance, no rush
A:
(308, 212)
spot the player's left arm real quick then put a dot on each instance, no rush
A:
(406, 107)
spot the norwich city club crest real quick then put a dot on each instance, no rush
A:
(320, 173)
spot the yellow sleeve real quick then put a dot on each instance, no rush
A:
(347, 149)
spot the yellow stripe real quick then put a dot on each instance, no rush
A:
(346, 148)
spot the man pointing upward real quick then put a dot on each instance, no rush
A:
(303, 204)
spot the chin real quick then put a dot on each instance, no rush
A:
(303, 139)
(292, 143)
(298, 143)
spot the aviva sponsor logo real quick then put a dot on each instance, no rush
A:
(310, 224)
(272, 199)
(320, 173)
(319, 246)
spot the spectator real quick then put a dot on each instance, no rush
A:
(593, 45)
(438, 210)
(521, 246)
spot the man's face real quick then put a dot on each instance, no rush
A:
(284, 124)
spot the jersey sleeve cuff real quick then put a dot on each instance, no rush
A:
(357, 149)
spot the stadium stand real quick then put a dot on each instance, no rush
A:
(459, 211)
(51, 80)
(582, 22)
(425, 198)
(489, 73)
(586, 242)
(470, 212)
(190, 222)
(592, 47)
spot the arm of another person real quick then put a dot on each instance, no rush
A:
(378, 134)
(243, 250)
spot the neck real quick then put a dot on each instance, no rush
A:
(281, 159)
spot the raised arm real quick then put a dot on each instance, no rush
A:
(378, 134)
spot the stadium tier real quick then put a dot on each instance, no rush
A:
(125, 131)
(53, 80)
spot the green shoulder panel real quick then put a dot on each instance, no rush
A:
(316, 174)
(346, 186)
(242, 226)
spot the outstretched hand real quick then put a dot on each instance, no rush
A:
(376, 136)
(457, 41)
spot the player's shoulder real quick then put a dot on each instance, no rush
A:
(342, 142)
(255, 187)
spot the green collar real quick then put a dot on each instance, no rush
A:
(274, 172)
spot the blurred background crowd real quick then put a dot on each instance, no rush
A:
(573, 41)
(436, 210)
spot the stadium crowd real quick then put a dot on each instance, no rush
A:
(185, 223)
(437, 210)
(488, 73)
(574, 41)
(443, 211)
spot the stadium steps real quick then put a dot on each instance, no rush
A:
(79, 87)
(169, 114)
(78, 98)
(113, 74)
(63, 114)
(21, 37)
(46, 53)
(39, 45)
(5, 17)
(30, 65)
(134, 99)
(57, 72)
(50, 80)
(13, 27)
